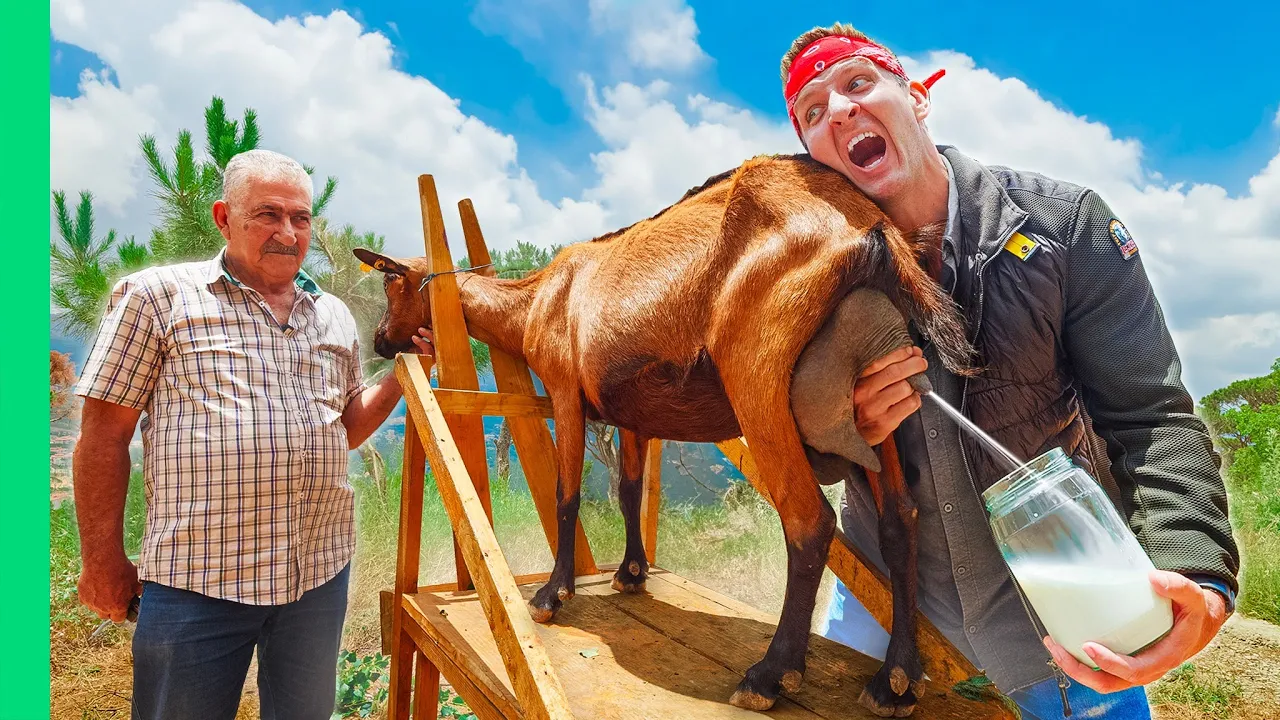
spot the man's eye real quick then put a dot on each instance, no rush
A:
(858, 83)
(302, 220)
(812, 115)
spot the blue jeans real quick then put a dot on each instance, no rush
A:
(849, 623)
(191, 654)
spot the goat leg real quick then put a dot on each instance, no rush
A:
(897, 687)
(634, 569)
(571, 432)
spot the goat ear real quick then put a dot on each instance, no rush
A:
(380, 262)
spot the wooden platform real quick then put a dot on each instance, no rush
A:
(677, 652)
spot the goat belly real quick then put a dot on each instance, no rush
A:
(665, 399)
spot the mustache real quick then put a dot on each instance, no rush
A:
(272, 246)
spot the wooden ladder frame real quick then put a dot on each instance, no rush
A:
(443, 425)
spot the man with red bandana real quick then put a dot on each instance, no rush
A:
(1076, 355)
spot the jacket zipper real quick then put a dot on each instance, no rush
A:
(1063, 681)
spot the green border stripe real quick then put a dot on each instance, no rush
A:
(24, 408)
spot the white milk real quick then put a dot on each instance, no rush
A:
(1114, 607)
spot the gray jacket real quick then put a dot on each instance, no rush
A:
(1076, 355)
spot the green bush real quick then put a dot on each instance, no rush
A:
(362, 684)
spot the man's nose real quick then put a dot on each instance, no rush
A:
(840, 109)
(287, 234)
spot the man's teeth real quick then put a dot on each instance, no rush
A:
(859, 138)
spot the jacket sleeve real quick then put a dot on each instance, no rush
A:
(1129, 373)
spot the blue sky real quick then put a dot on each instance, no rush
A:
(567, 118)
(1200, 94)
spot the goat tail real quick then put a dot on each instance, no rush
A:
(915, 259)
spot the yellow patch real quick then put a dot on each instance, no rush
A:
(366, 267)
(1021, 246)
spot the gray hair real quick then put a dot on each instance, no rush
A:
(262, 165)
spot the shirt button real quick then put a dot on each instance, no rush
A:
(933, 433)
(961, 570)
(973, 629)
(947, 507)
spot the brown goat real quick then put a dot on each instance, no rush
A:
(690, 326)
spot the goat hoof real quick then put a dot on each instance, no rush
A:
(541, 615)
(630, 577)
(760, 687)
(892, 692)
(898, 681)
(748, 700)
(547, 601)
(868, 702)
(791, 680)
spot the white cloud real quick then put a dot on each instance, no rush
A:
(1211, 257)
(660, 35)
(326, 92)
(655, 153)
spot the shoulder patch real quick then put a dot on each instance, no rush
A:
(1121, 236)
(1021, 246)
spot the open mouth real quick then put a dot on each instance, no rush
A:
(866, 150)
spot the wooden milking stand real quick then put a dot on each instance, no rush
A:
(676, 651)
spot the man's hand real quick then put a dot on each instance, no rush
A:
(882, 399)
(423, 341)
(1198, 613)
(108, 587)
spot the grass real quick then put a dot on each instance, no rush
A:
(735, 547)
(718, 546)
(1190, 688)
(1255, 513)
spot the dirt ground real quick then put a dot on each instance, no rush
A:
(1247, 651)
(94, 682)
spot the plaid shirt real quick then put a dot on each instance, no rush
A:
(244, 450)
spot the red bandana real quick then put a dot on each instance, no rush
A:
(825, 52)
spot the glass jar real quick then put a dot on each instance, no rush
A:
(1076, 560)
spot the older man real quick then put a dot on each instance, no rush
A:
(247, 378)
(1059, 304)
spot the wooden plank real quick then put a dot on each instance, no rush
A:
(478, 684)
(386, 613)
(535, 681)
(651, 501)
(408, 545)
(737, 637)
(426, 689)
(499, 404)
(540, 578)
(613, 666)
(531, 436)
(939, 657)
(455, 367)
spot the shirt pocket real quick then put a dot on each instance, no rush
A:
(326, 369)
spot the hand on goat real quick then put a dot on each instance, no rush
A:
(1198, 613)
(424, 342)
(882, 398)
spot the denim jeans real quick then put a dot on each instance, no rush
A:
(849, 623)
(191, 654)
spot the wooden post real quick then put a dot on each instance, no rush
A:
(532, 438)
(455, 368)
(408, 546)
(651, 501)
(426, 690)
(941, 661)
(523, 654)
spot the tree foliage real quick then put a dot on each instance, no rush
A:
(186, 186)
(1244, 418)
(84, 267)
